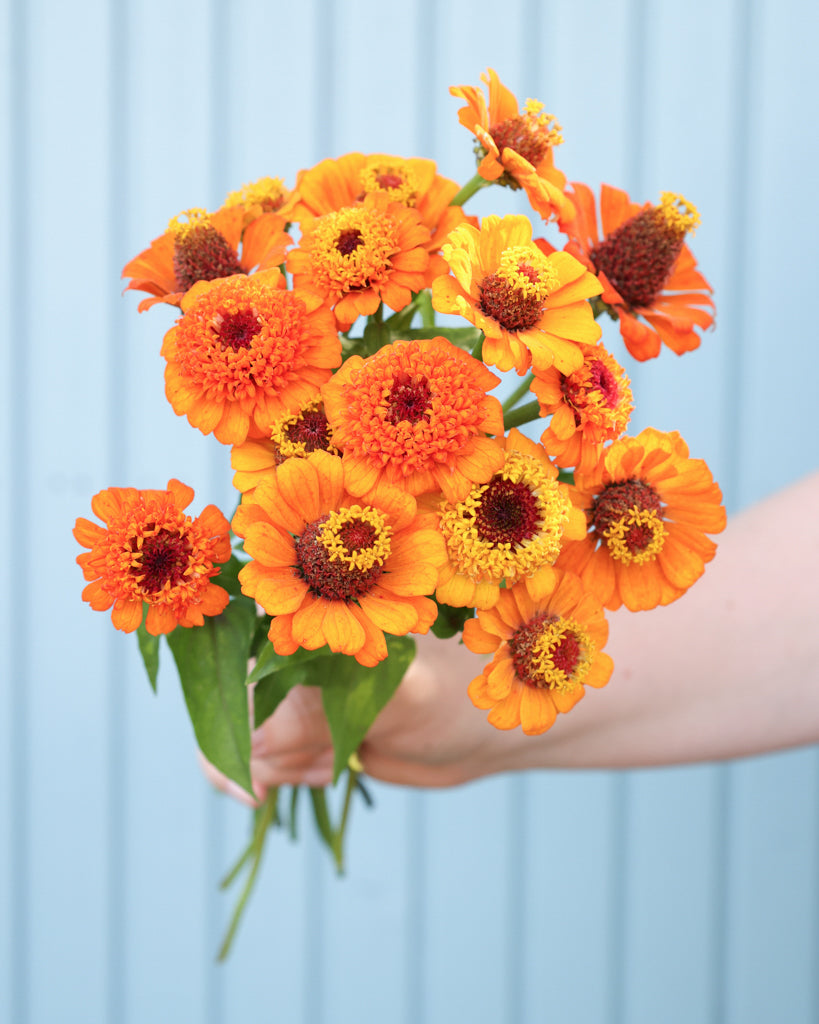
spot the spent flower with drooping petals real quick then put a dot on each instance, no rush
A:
(649, 275)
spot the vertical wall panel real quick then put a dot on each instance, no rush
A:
(66, 311)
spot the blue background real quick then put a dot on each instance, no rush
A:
(677, 895)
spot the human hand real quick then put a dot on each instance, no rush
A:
(428, 735)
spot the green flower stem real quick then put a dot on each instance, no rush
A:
(470, 188)
(477, 350)
(338, 835)
(321, 814)
(518, 393)
(523, 414)
(264, 819)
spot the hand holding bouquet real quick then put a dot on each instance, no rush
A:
(384, 491)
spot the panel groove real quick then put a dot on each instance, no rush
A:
(19, 497)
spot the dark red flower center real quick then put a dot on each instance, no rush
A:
(349, 240)
(638, 257)
(615, 502)
(516, 133)
(237, 330)
(527, 652)
(388, 180)
(165, 557)
(335, 579)
(604, 381)
(507, 513)
(506, 304)
(409, 398)
(201, 253)
(312, 430)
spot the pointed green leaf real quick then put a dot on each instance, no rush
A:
(353, 695)
(269, 662)
(271, 690)
(149, 649)
(450, 620)
(212, 664)
(229, 576)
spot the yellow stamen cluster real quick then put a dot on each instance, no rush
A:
(196, 218)
(680, 215)
(269, 193)
(351, 248)
(395, 177)
(281, 434)
(529, 271)
(331, 537)
(481, 558)
(541, 122)
(541, 662)
(637, 537)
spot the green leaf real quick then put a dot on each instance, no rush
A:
(353, 695)
(269, 662)
(450, 620)
(149, 649)
(229, 576)
(212, 664)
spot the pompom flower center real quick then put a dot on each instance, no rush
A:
(515, 294)
(161, 561)
(200, 252)
(530, 134)
(237, 330)
(552, 653)
(508, 527)
(409, 399)
(341, 555)
(639, 255)
(628, 516)
(350, 249)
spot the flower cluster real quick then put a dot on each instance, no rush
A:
(384, 490)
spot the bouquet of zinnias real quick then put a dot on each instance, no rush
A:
(384, 491)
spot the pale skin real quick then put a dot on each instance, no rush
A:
(730, 670)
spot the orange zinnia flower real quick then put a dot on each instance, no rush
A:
(362, 254)
(508, 529)
(588, 408)
(645, 266)
(247, 352)
(515, 147)
(531, 306)
(416, 414)
(151, 553)
(204, 247)
(648, 507)
(267, 195)
(334, 568)
(333, 184)
(292, 437)
(546, 652)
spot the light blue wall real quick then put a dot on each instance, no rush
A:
(678, 896)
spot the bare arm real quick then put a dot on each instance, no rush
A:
(731, 669)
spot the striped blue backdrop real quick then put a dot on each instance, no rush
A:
(678, 895)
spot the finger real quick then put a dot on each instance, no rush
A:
(228, 786)
(302, 770)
